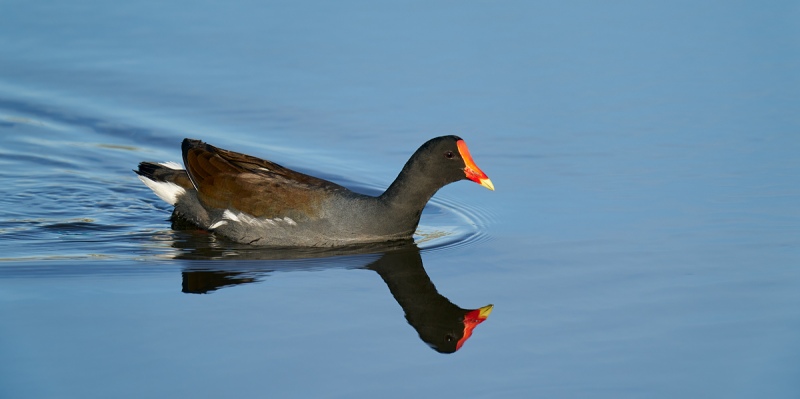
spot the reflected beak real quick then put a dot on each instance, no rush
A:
(472, 171)
(484, 312)
(472, 319)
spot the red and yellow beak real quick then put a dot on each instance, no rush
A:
(472, 319)
(471, 170)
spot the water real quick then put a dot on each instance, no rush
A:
(643, 241)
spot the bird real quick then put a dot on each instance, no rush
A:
(255, 201)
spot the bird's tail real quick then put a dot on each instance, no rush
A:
(168, 180)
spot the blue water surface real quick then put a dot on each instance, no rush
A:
(643, 240)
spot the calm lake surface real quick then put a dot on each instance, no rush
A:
(643, 240)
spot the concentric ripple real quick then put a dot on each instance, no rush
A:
(448, 223)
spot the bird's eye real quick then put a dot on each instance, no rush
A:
(449, 338)
(449, 154)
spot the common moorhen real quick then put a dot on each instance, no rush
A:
(255, 201)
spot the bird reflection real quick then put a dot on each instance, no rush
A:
(441, 324)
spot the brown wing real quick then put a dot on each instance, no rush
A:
(226, 179)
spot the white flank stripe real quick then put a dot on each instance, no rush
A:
(218, 224)
(169, 192)
(230, 216)
(290, 221)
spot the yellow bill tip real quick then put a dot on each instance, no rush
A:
(487, 183)
(485, 311)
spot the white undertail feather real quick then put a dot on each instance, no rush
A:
(169, 192)
(172, 165)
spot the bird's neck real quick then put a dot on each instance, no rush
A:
(410, 285)
(411, 190)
